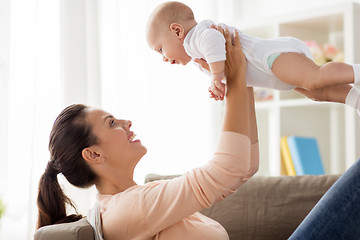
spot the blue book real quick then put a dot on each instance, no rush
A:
(306, 156)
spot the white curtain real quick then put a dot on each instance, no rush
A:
(168, 105)
(54, 53)
(30, 82)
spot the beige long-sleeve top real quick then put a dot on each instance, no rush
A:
(168, 209)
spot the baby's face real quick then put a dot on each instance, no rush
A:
(169, 45)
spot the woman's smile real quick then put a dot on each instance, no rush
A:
(132, 137)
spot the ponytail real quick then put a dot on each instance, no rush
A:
(52, 201)
(71, 133)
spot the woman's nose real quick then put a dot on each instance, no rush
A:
(165, 59)
(127, 124)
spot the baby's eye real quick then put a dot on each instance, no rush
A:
(160, 50)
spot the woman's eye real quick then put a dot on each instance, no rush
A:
(112, 122)
(160, 50)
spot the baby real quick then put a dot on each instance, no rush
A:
(283, 63)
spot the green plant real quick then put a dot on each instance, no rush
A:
(2, 208)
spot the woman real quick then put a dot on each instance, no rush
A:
(89, 146)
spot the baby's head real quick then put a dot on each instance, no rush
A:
(166, 30)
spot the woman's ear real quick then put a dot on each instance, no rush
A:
(178, 29)
(92, 155)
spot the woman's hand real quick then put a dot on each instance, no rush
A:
(336, 93)
(236, 61)
(235, 58)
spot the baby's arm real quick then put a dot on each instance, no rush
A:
(217, 76)
(212, 46)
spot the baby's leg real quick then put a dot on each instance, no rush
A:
(298, 70)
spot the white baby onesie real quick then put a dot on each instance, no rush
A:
(204, 42)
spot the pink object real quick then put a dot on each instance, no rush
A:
(330, 51)
(169, 209)
(316, 52)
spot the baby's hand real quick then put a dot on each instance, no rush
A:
(212, 95)
(205, 65)
(217, 85)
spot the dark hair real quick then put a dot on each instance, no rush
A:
(71, 133)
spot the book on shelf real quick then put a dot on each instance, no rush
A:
(305, 155)
(287, 166)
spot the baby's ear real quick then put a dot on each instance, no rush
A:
(178, 29)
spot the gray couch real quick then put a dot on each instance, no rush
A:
(263, 208)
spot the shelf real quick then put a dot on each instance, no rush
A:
(336, 127)
(331, 15)
(329, 23)
(264, 105)
(303, 102)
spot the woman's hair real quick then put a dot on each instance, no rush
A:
(71, 133)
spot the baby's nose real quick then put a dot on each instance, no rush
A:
(165, 59)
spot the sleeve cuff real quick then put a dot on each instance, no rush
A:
(234, 144)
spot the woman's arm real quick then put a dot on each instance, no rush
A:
(252, 117)
(239, 68)
(240, 113)
(236, 118)
(165, 203)
(254, 151)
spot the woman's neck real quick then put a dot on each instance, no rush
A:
(105, 186)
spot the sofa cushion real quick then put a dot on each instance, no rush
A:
(267, 207)
(79, 230)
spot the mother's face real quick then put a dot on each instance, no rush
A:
(116, 141)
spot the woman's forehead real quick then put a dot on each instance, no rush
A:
(95, 114)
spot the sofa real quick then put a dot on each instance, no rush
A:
(263, 208)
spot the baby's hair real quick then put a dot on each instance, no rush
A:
(170, 12)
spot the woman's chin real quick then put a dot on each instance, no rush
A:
(144, 150)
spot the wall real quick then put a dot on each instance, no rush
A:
(252, 9)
